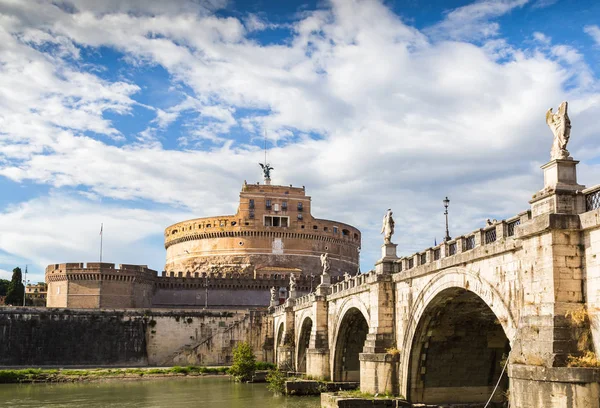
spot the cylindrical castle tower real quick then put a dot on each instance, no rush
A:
(272, 233)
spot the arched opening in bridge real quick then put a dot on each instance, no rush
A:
(458, 351)
(351, 337)
(302, 345)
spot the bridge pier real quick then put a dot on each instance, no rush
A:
(318, 355)
(285, 338)
(379, 359)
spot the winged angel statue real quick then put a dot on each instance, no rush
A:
(560, 125)
(266, 170)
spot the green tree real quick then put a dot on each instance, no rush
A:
(244, 362)
(4, 286)
(276, 381)
(16, 289)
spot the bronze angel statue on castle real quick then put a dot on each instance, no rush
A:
(266, 170)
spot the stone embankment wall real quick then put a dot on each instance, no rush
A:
(38, 336)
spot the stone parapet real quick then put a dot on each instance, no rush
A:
(556, 387)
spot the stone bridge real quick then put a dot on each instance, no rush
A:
(439, 326)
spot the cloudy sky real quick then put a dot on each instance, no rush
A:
(139, 114)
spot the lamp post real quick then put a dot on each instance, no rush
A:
(446, 204)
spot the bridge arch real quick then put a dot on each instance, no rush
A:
(302, 343)
(350, 333)
(458, 323)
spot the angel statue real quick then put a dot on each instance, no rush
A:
(292, 282)
(560, 125)
(325, 263)
(266, 170)
(387, 229)
(273, 294)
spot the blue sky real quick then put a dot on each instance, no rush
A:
(141, 114)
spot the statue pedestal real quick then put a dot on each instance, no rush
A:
(561, 173)
(561, 193)
(293, 294)
(323, 289)
(388, 258)
(325, 279)
(389, 251)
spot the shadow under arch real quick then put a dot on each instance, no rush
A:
(302, 344)
(457, 351)
(350, 340)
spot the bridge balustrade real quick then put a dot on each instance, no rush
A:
(592, 198)
(483, 236)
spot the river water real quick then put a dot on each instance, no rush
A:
(158, 393)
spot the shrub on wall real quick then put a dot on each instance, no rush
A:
(244, 362)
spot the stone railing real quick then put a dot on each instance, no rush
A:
(304, 300)
(488, 235)
(592, 198)
(279, 309)
(353, 282)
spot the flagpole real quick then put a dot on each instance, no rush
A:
(101, 236)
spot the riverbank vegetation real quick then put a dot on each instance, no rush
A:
(35, 375)
(32, 375)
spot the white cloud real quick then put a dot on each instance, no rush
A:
(5, 274)
(65, 228)
(543, 3)
(594, 32)
(542, 38)
(474, 21)
(403, 119)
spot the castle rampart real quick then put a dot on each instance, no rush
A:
(99, 285)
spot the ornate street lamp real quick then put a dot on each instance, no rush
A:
(446, 204)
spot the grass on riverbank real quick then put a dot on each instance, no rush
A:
(69, 375)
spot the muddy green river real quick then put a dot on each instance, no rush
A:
(167, 393)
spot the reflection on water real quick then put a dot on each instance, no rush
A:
(171, 393)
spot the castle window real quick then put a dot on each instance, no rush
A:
(355, 236)
(302, 226)
(284, 206)
(275, 207)
(274, 221)
(251, 203)
(325, 229)
(345, 232)
(315, 227)
(268, 204)
(251, 215)
(207, 225)
(335, 230)
(222, 223)
(300, 217)
(299, 206)
(233, 223)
